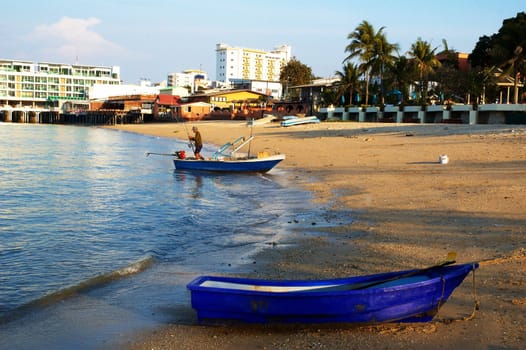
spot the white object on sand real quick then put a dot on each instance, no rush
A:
(443, 159)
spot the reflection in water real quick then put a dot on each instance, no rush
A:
(195, 178)
(198, 187)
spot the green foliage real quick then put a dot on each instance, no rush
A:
(504, 49)
(292, 74)
(371, 64)
(424, 58)
(373, 52)
(399, 75)
(349, 83)
(295, 73)
(425, 61)
(331, 97)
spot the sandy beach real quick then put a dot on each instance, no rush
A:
(408, 211)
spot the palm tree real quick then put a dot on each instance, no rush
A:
(382, 57)
(425, 61)
(349, 77)
(400, 74)
(373, 51)
(361, 47)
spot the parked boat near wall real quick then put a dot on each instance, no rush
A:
(294, 120)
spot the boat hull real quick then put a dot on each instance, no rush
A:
(298, 121)
(404, 296)
(255, 165)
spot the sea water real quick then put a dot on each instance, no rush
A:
(90, 225)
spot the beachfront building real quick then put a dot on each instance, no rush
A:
(105, 91)
(42, 84)
(192, 79)
(230, 104)
(269, 88)
(250, 64)
(460, 60)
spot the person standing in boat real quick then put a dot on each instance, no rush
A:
(198, 142)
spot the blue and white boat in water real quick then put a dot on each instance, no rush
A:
(232, 165)
(226, 159)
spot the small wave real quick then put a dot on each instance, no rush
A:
(133, 268)
(84, 286)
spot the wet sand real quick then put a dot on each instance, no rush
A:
(408, 210)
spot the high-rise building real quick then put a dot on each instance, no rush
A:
(250, 64)
(26, 83)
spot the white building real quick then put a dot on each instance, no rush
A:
(192, 78)
(250, 64)
(270, 88)
(34, 84)
(104, 91)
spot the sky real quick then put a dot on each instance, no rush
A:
(150, 39)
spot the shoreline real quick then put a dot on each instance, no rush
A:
(408, 211)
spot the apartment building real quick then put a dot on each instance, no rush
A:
(190, 78)
(37, 84)
(250, 64)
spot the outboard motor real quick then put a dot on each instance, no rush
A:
(180, 154)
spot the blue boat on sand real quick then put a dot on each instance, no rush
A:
(402, 296)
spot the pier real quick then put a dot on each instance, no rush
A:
(48, 116)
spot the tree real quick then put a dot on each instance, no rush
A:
(295, 73)
(448, 57)
(382, 57)
(374, 52)
(361, 47)
(504, 50)
(425, 62)
(330, 96)
(511, 43)
(349, 80)
(481, 54)
(399, 75)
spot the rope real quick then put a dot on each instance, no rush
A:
(517, 255)
(476, 305)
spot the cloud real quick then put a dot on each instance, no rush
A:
(71, 39)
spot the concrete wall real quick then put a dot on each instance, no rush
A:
(465, 114)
